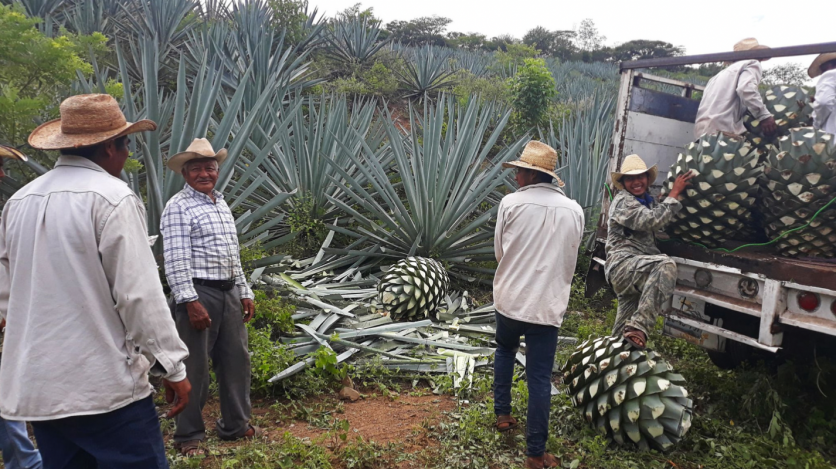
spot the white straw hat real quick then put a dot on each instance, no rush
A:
(634, 165)
(199, 149)
(815, 68)
(539, 157)
(749, 43)
(12, 153)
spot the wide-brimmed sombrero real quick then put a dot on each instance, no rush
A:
(86, 120)
(539, 157)
(199, 149)
(815, 68)
(634, 165)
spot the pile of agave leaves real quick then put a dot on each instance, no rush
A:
(342, 312)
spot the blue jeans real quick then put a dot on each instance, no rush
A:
(126, 438)
(540, 343)
(18, 450)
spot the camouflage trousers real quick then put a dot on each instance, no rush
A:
(643, 285)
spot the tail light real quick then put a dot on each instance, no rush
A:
(809, 301)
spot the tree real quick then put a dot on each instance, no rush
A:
(643, 49)
(791, 73)
(552, 43)
(290, 15)
(36, 71)
(531, 92)
(356, 12)
(470, 41)
(420, 31)
(502, 42)
(587, 38)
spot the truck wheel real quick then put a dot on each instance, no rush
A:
(736, 353)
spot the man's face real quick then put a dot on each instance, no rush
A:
(636, 185)
(201, 175)
(524, 177)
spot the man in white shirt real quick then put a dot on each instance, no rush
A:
(824, 103)
(538, 232)
(87, 319)
(731, 93)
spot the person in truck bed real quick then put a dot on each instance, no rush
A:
(641, 276)
(731, 93)
(824, 104)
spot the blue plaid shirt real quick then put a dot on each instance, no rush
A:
(200, 241)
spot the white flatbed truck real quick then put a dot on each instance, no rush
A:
(728, 303)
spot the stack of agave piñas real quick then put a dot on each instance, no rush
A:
(629, 395)
(789, 105)
(799, 179)
(718, 204)
(413, 288)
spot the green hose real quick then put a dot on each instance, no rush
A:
(746, 245)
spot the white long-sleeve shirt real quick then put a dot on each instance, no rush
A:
(538, 232)
(79, 288)
(824, 107)
(728, 96)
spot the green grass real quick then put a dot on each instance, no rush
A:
(757, 417)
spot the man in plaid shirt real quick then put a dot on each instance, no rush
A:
(211, 298)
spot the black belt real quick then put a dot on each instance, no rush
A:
(224, 285)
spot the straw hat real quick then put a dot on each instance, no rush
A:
(749, 43)
(632, 166)
(539, 157)
(199, 149)
(86, 120)
(12, 153)
(815, 69)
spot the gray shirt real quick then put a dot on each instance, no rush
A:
(538, 232)
(79, 288)
(728, 96)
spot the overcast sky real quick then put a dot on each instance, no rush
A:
(701, 27)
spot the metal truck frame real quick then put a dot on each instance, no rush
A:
(723, 302)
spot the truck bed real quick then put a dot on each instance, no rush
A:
(816, 273)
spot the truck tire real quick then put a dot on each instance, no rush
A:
(736, 353)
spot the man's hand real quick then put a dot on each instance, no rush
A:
(249, 309)
(198, 315)
(681, 182)
(768, 125)
(178, 393)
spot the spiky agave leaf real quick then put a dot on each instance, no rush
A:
(630, 396)
(353, 41)
(427, 71)
(718, 204)
(435, 206)
(413, 288)
(799, 180)
(789, 106)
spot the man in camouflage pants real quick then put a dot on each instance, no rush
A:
(642, 277)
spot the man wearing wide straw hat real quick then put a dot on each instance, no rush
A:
(211, 298)
(87, 317)
(824, 103)
(731, 93)
(642, 277)
(538, 232)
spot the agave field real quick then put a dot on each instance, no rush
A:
(364, 176)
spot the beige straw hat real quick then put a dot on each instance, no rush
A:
(815, 69)
(199, 149)
(631, 166)
(12, 153)
(86, 120)
(749, 43)
(539, 157)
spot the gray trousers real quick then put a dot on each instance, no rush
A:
(225, 343)
(643, 285)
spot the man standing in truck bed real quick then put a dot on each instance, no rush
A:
(731, 93)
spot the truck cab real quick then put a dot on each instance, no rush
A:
(728, 303)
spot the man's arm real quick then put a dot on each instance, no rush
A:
(747, 90)
(177, 251)
(825, 102)
(5, 278)
(500, 225)
(135, 285)
(629, 213)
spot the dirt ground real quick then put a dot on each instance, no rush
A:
(402, 421)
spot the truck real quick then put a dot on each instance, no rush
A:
(735, 305)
